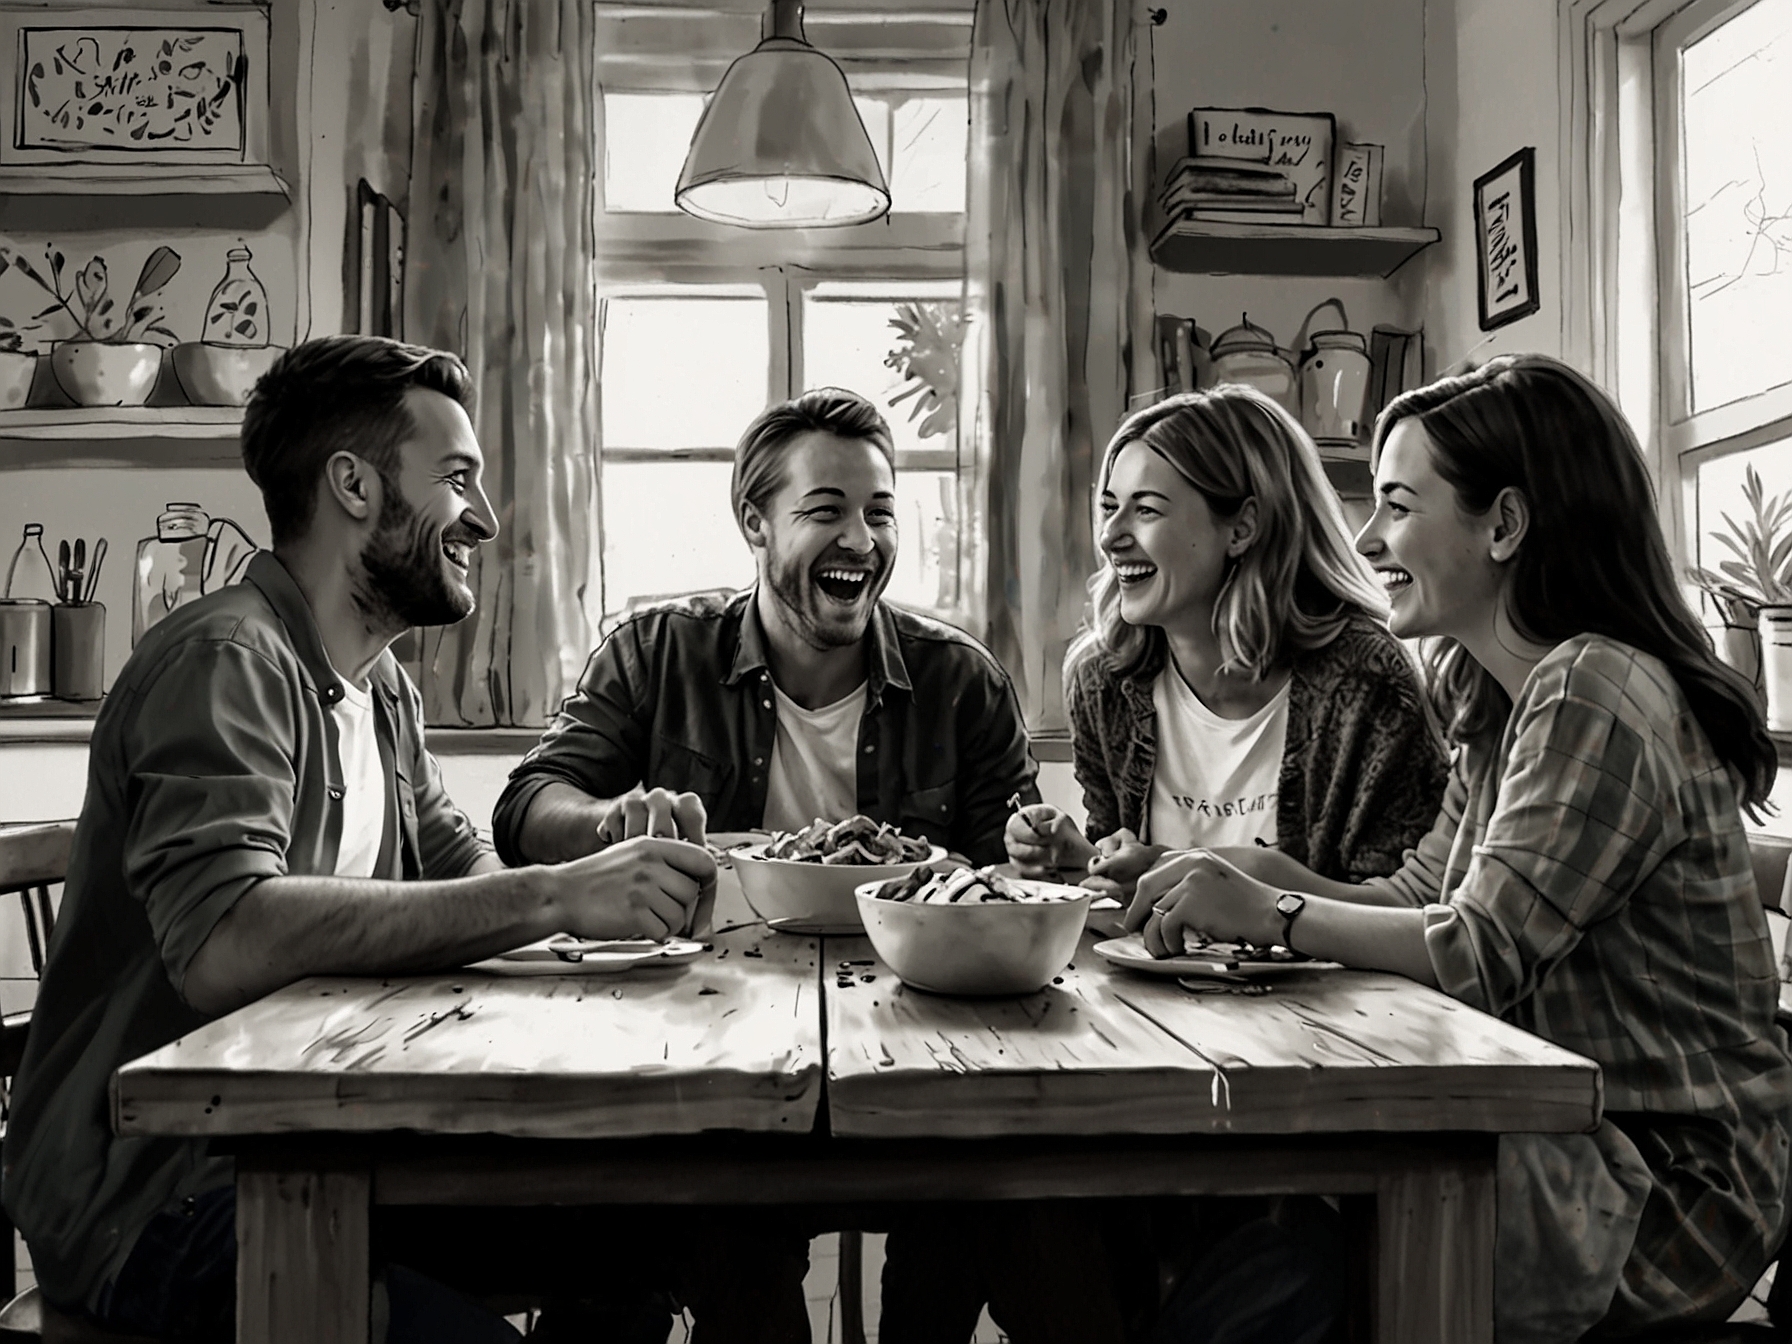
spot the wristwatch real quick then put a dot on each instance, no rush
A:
(1289, 905)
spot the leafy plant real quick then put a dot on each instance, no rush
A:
(930, 336)
(1760, 574)
(99, 317)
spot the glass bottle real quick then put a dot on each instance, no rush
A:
(238, 311)
(170, 566)
(30, 577)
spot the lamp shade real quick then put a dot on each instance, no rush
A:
(781, 146)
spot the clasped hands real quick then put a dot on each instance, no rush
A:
(650, 869)
(1204, 894)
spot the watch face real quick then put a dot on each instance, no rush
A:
(1289, 904)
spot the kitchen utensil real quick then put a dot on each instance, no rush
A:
(77, 573)
(78, 650)
(24, 648)
(1334, 383)
(62, 570)
(812, 898)
(976, 949)
(1248, 354)
(93, 575)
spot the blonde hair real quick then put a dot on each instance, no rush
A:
(1300, 581)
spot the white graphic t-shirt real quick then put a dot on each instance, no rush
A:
(1216, 778)
(364, 782)
(815, 768)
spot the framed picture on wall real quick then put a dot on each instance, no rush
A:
(1506, 240)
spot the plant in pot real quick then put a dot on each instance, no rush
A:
(18, 365)
(115, 353)
(1752, 590)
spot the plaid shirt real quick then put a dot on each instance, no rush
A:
(1589, 881)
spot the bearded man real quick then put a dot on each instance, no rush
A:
(806, 696)
(260, 808)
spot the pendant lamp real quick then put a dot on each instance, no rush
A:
(780, 145)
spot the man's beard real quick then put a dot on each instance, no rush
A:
(404, 581)
(809, 610)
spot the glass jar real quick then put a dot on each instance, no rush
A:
(238, 311)
(170, 566)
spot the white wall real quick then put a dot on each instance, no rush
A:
(1491, 82)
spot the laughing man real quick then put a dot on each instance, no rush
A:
(805, 696)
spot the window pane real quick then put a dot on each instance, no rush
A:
(646, 138)
(1737, 89)
(1719, 489)
(668, 529)
(926, 573)
(875, 113)
(682, 372)
(901, 351)
(931, 138)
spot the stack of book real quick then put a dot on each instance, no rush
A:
(1233, 191)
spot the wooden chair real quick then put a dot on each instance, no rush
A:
(33, 858)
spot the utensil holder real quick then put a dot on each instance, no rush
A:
(78, 650)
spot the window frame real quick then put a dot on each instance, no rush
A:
(1626, 313)
(644, 254)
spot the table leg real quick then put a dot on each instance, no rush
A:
(1434, 1253)
(302, 1254)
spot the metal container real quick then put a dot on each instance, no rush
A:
(1334, 385)
(978, 949)
(1248, 354)
(79, 630)
(24, 649)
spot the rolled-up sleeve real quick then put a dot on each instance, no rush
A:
(211, 780)
(597, 742)
(1582, 817)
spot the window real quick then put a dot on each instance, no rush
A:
(701, 325)
(1722, 90)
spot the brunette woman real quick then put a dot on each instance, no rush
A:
(1588, 876)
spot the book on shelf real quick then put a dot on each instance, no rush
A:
(1177, 357)
(1227, 175)
(1229, 214)
(1396, 365)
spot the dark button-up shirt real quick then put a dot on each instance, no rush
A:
(680, 697)
(214, 765)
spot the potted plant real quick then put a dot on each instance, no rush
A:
(18, 366)
(929, 339)
(115, 353)
(1753, 593)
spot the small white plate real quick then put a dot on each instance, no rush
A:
(1130, 952)
(596, 957)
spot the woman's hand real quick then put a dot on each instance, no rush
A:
(1200, 893)
(1120, 861)
(1041, 841)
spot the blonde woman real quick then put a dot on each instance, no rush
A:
(1237, 684)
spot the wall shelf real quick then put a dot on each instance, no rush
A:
(129, 179)
(1201, 248)
(121, 436)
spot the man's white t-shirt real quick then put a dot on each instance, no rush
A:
(815, 768)
(363, 780)
(1216, 779)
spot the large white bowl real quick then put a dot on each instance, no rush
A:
(813, 898)
(976, 948)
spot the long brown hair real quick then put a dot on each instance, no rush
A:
(1300, 581)
(1594, 560)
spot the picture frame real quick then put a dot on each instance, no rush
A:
(1505, 204)
(216, 108)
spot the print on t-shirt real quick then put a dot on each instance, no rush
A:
(1216, 779)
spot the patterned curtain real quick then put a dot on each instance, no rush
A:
(1059, 300)
(499, 270)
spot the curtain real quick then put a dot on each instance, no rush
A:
(1058, 296)
(501, 247)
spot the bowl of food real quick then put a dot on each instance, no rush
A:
(803, 881)
(973, 931)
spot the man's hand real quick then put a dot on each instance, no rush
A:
(644, 887)
(652, 812)
(1042, 841)
(1200, 893)
(1121, 859)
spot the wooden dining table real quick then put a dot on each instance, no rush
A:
(779, 1069)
